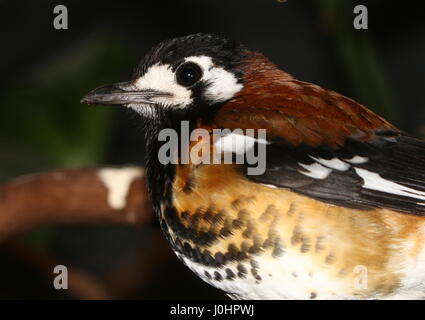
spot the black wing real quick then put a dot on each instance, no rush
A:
(386, 172)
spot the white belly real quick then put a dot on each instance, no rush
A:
(285, 278)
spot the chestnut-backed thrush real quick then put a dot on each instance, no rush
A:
(338, 211)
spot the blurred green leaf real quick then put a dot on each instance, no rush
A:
(42, 111)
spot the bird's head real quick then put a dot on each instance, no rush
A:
(213, 78)
(182, 75)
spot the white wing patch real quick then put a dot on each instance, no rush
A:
(237, 143)
(374, 181)
(357, 160)
(315, 170)
(323, 167)
(334, 163)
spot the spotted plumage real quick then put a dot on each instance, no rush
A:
(337, 210)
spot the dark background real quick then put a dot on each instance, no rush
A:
(45, 72)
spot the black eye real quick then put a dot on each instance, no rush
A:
(188, 74)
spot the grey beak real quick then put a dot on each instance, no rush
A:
(122, 93)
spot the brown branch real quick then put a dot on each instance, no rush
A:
(82, 285)
(74, 196)
(138, 268)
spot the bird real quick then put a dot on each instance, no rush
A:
(338, 209)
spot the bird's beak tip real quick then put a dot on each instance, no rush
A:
(86, 100)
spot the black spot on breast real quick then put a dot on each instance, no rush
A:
(272, 210)
(254, 263)
(255, 274)
(232, 252)
(205, 238)
(242, 200)
(219, 217)
(343, 272)
(269, 242)
(291, 210)
(207, 274)
(236, 204)
(185, 215)
(266, 215)
(237, 224)
(243, 215)
(188, 187)
(330, 258)
(241, 256)
(242, 271)
(255, 249)
(192, 231)
(319, 244)
(297, 235)
(257, 241)
(217, 276)
(278, 248)
(194, 220)
(249, 231)
(197, 254)
(219, 258)
(207, 258)
(225, 232)
(187, 250)
(208, 215)
(230, 275)
(305, 247)
(245, 246)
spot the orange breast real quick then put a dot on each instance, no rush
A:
(248, 221)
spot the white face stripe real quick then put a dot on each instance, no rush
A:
(223, 85)
(161, 77)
